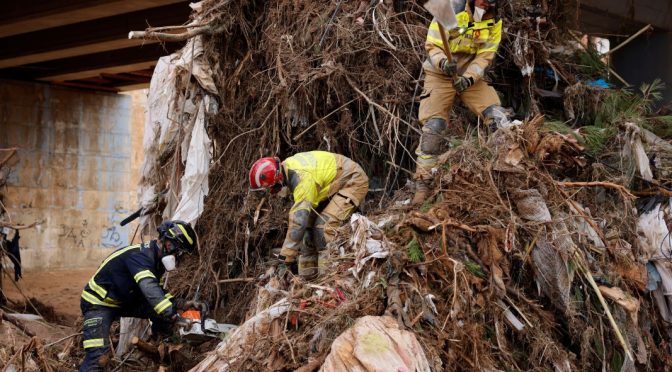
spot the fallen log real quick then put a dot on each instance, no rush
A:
(146, 348)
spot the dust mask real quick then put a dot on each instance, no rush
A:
(168, 262)
(478, 14)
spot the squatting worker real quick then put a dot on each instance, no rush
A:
(473, 44)
(128, 283)
(327, 188)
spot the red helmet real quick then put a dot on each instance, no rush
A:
(266, 174)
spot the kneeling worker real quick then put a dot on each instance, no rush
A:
(327, 188)
(126, 284)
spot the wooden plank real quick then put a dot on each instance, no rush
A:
(97, 71)
(73, 68)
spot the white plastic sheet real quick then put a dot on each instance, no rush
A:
(176, 112)
(195, 179)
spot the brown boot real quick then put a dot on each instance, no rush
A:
(308, 267)
(421, 192)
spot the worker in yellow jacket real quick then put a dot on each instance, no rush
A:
(327, 188)
(473, 44)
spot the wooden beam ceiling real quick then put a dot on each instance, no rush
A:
(88, 37)
(24, 16)
(84, 43)
(114, 61)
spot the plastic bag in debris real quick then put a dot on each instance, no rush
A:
(367, 242)
(195, 179)
(584, 229)
(376, 343)
(634, 149)
(553, 246)
(531, 206)
(654, 239)
(654, 236)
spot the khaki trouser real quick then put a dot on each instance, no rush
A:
(326, 221)
(437, 99)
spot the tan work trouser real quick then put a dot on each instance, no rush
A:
(437, 99)
(337, 211)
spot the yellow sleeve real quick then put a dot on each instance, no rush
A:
(486, 54)
(306, 190)
(434, 54)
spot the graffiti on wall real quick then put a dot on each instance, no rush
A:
(115, 236)
(75, 234)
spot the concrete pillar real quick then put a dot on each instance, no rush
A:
(76, 169)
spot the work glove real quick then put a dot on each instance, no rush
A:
(448, 67)
(462, 83)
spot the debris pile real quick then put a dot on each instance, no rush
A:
(540, 247)
(508, 268)
(33, 338)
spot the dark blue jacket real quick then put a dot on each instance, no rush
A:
(128, 278)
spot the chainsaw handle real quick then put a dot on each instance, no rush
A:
(132, 217)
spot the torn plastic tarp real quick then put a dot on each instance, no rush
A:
(195, 179)
(175, 107)
(655, 240)
(634, 149)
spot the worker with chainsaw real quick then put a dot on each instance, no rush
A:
(128, 283)
(327, 188)
(472, 46)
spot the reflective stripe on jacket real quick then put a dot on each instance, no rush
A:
(127, 277)
(473, 44)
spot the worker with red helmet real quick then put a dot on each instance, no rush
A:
(128, 284)
(327, 188)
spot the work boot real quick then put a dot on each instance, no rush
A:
(421, 192)
(308, 267)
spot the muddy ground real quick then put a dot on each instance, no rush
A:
(59, 289)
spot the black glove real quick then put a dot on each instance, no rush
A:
(180, 321)
(462, 83)
(284, 266)
(448, 67)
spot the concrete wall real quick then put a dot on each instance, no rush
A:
(76, 169)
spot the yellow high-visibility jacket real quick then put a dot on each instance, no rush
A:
(314, 177)
(472, 44)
